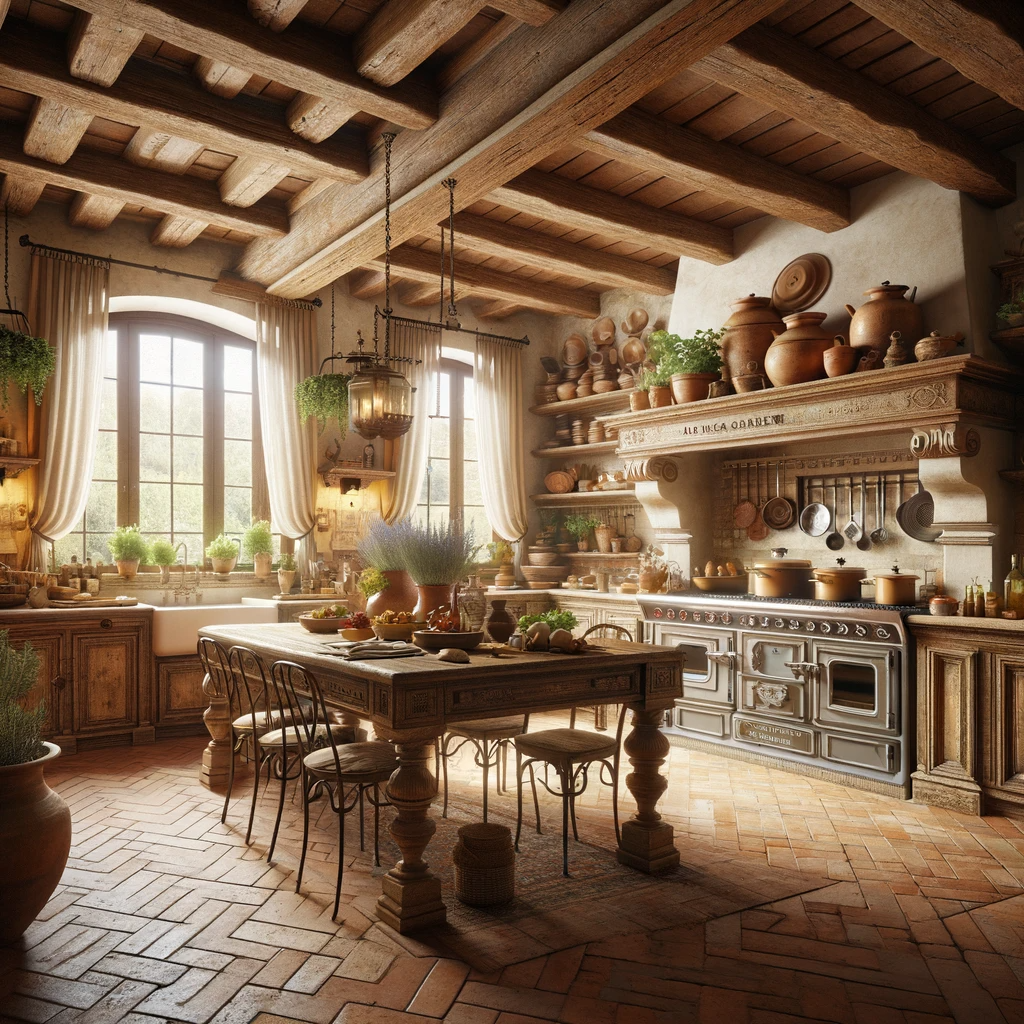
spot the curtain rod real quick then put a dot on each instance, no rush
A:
(27, 242)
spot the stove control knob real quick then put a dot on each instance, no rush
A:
(882, 632)
(726, 618)
(697, 617)
(811, 627)
(794, 623)
(765, 621)
(670, 614)
(826, 628)
(842, 628)
(779, 623)
(860, 630)
(710, 617)
(683, 614)
(658, 613)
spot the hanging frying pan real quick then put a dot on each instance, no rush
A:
(778, 511)
(815, 519)
(745, 512)
(758, 529)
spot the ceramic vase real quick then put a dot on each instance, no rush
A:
(603, 535)
(222, 566)
(286, 580)
(887, 309)
(474, 603)
(400, 595)
(35, 838)
(500, 625)
(261, 566)
(748, 336)
(431, 597)
(797, 355)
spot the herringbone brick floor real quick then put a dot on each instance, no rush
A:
(165, 915)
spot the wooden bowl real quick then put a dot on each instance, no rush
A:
(722, 584)
(438, 641)
(358, 634)
(566, 392)
(396, 630)
(559, 482)
(320, 625)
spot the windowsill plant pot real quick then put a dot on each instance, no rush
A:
(35, 839)
(223, 554)
(261, 566)
(128, 548)
(286, 580)
(222, 566)
(691, 387)
(128, 568)
(258, 544)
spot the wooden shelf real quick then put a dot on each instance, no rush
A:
(364, 476)
(575, 449)
(13, 465)
(622, 556)
(610, 401)
(590, 498)
(1011, 341)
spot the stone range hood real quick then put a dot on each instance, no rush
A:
(958, 416)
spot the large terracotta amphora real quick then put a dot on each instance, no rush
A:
(749, 333)
(797, 355)
(888, 309)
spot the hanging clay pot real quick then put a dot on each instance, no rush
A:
(749, 333)
(796, 355)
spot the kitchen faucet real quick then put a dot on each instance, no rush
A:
(186, 589)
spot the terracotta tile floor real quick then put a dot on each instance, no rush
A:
(163, 915)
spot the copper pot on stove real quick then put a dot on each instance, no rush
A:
(779, 576)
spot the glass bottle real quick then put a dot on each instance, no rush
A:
(1013, 588)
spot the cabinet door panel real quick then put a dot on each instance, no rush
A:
(180, 698)
(50, 686)
(106, 680)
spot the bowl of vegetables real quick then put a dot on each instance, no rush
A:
(356, 626)
(390, 625)
(327, 619)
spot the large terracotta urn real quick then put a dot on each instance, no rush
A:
(797, 354)
(749, 333)
(400, 595)
(431, 597)
(35, 838)
(888, 309)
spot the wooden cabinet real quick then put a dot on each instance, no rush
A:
(970, 721)
(95, 672)
(179, 692)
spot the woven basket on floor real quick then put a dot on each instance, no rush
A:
(485, 865)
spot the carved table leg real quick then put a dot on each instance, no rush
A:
(647, 841)
(411, 894)
(219, 751)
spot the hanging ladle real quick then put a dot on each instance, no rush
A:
(835, 540)
(851, 529)
(864, 541)
(879, 535)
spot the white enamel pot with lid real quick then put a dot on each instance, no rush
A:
(841, 582)
(895, 587)
(779, 576)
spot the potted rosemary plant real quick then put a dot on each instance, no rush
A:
(161, 552)
(223, 554)
(382, 548)
(286, 572)
(437, 558)
(35, 823)
(128, 548)
(258, 544)
(25, 361)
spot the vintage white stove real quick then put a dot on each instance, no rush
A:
(818, 687)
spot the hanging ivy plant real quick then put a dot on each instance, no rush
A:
(325, 396)
(26, 361)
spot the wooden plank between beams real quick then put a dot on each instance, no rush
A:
(776, 69)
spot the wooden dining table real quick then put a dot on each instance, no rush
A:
(411, 701)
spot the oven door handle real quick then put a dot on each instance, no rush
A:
(807, 671)
(730, 659)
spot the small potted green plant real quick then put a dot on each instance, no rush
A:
(325, 396)
(128, 548)
(579, 525)
(223, 554)
(1012, 312)
(35, 836)
(258, 544)
(286, 572)
(373, 585)
(162, 553)
(640, 395)
(25, 361)
(695, 362)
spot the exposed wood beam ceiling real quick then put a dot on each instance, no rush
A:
(537, 90)
(770, 66)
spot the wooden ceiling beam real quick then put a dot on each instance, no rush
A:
(315, 118)
(428, 294)
(92, 211)
(19, 194)
(151, 148)
(302, 57)
(175, 231)
(276, 15)
(99, 48)
(421, 266)
(366, 283)
(249, 179)
(468, 58)
(509, 242)
(221, 79)
(774, 68)
(982, 39)
(497, 309)
(31, 60)
(589, 63)
(404, 33)
(564, 201)
(530, 12)
(656, 145)
(54, 130)
(113, 178)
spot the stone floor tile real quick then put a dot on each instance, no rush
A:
(439, 989)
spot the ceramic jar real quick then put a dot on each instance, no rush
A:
(797, 354)
(500, 625)
(840, 359)
(400, 595)
(888, 309)
(431, 597)
(691, 387)
(749, 333)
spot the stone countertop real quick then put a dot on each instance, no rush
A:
(562, 592)
(23, 612)
(969, 622)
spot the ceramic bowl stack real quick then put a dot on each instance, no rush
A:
(563, 431)
(544, 577)
(595, 433)
(545, 394)
(585, 385)
(579, 431)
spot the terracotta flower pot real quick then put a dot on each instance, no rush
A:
(661, 395)
(603, 535)
(286, 580)
(128, 568)
(639, 400)
(261, 566)
(222, 566)
(401, 594)
(431, 597)
(691, 387)
(35, 838)
(583, 544)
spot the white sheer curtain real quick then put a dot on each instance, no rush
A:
(285, 355)
(498, 391)
(69, 307)
(409, 458)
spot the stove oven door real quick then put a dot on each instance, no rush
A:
(857, 686)
(768, 686)
(709, 669)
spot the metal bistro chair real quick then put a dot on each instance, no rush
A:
(570, 753)
(327, 767)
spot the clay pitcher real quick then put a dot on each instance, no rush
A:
(840, 359)
(749, 333)
(888, 309)
(797, 355)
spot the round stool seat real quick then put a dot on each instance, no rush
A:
(566, 746)
(488, 728)
(370, 760)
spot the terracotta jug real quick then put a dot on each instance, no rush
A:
(888, 309)
(797, 354)
(500, 625)
(840, 359)
(749, 333)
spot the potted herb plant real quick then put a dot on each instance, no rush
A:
(223, 554)
(382, 548)
(372, 585)
(437, 557)
(162, 553)
(128, 548)
(556, 618)
(258, 544)
(639, 397)
(1012, 312)
(325, 396)
(694, 362)
(35, 823)
(286, 572)
(579, 525)
(25, 361)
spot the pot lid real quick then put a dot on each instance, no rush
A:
(841, 570)
(895, 576)
(780, 561)
(888, 289)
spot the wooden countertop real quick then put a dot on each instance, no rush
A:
(1012, 626)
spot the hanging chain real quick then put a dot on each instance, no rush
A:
(332, 323)
(388, 137)
(7, 260)
(453, 313)
(440, 308)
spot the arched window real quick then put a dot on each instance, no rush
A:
(179, 449)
